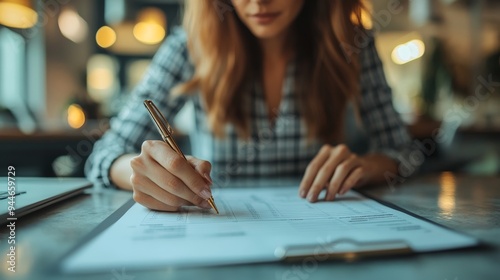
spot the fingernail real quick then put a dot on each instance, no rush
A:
(205, 205)
(310, 197)
(207, 176)
(205, 193)
(302, 193)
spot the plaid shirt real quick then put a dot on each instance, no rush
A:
(279, 150)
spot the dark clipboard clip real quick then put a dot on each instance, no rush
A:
(344, 249)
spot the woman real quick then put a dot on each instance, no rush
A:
(270, 81)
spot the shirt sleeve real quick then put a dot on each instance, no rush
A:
(386, 131)
(132, 126)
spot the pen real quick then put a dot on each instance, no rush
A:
(166, 132)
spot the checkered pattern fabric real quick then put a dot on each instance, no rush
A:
(279, 149)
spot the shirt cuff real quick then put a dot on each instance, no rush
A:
(98, 167)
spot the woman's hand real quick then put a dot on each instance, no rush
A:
(336, 169)
(163, 180)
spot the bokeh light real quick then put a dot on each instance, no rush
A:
(76, 116)
(105, 37)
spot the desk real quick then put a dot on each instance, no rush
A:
(468, 204)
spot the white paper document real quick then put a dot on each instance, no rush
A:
(254, 225)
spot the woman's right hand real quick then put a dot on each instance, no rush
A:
(163, 180)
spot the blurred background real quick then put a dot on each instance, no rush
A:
(67, 67)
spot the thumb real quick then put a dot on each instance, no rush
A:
(203, 167)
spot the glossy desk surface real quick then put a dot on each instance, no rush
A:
(467, 204)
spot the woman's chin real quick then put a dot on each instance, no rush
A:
(265, 33)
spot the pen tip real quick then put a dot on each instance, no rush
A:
(212, 203)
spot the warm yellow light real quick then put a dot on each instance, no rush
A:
(150, 27)
(447, 196)
(17, 15)
(72, 26)
(105, 37)
(366, 19)
(76, 116)
(407, 52)
(100, 79)
(447, 180)
(152, 15)
(149, 33)
(366, 15)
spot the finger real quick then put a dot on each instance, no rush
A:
(337, 155)
(312, 170)
(153, 203)
(202, 166)
(147, 186)
(340, 175)
(353, 180)
(180, 167)
(160, 178)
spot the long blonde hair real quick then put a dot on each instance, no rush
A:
(227, 60)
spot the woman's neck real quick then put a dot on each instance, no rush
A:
(276, 48)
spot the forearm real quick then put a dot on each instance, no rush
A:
(378, 165)
(121, 171)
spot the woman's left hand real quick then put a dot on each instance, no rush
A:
(336, 169)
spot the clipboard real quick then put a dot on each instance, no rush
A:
(342, 249)
(359, 250)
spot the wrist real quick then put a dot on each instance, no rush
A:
(376, 166)
(121, 171)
